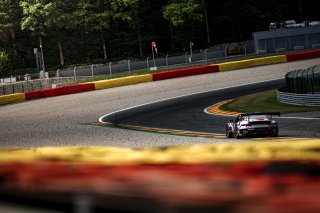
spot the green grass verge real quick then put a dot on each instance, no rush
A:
(264, 102)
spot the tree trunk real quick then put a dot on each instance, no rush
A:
(300, 10)
(103, 46)
(206, 20)
(42, 57)
(104, 50)
(61, 53)
(13, 38)
(171, 36)
(139, 37)
(13, 34)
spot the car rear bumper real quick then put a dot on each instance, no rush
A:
(259, 131)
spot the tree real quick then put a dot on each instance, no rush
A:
(236, 20)
(10, 17)
(181, 13)
(10, 14)
(133, 16)
(36, 18)
(61, 21)
(42, 15)
(146, 24)
(97, 15)
(3, 62)
(76, 30)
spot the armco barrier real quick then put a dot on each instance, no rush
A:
(7, 99)
(104, 84)
(303, 55)
(53, 92)
(122, 81)
(252, 63)
(185, 72)
(298, 99)
(77, 88)
(45, 93)
(34, 95)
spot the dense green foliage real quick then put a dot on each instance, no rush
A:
(179, 12)
(3, 60)
(96, 31)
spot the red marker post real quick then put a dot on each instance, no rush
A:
(154, 49)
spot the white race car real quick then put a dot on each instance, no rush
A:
(253, 124)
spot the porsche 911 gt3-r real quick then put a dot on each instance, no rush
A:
(253, 124)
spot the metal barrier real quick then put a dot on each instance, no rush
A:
(298, 99)
(38, 84)
(303, 81)
(188, 59)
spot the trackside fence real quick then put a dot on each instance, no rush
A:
(302, 87)
(96, 72)
(22, 86)
(298, 99)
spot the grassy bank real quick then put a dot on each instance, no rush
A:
(264, 102)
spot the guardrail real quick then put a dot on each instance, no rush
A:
(298, 99)
(56, 88)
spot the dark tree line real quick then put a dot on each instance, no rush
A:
(97, 31)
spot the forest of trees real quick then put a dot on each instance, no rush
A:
(97, 31)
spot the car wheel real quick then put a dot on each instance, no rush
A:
(229, 134)
(236, 135)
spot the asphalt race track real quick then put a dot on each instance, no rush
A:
(187, 113)
(61, 121)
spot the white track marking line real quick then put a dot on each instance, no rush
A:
(109, 114)
(140, 105)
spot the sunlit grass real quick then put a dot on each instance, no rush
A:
(264, 102)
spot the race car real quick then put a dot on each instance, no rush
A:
(253, 124)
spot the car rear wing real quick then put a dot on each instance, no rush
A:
(261, 113)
